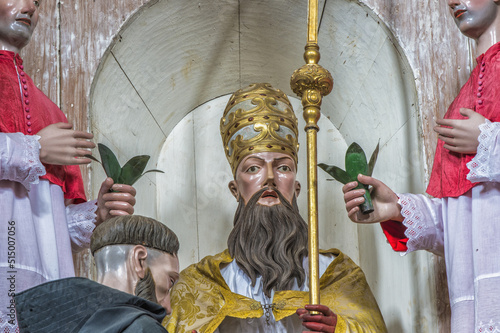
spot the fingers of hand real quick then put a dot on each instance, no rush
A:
(106, 186)
(367, 180)
(349, 186)
(465, 149)
(444, 131)
(301, 312)
(82, 135)
(114, 212)
(466, 112)
(352, 214)
(81, 153)
(353, 194)
(448, 140)
(318, 327)
(351, 204)
(445, 122)
(79, 161)
(127, 198)
(324, 322)
(119, 208)
(84, 144)
(62, 125)
(123, 188)
(325, 310)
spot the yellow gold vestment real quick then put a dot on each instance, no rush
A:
(201, 298)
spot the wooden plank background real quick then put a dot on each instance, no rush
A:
(72, 36)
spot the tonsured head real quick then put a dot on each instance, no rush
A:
(141, 253)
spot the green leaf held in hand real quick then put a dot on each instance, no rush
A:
(355, 161)
(132, 171)
(373, 160)
(355, 164)
(109, 162)
(336, 172)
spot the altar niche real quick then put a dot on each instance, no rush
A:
(161, 89)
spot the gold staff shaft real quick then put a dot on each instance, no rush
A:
(311, 82)
(312, 199)
(312, 22)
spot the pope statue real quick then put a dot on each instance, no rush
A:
(260, 282)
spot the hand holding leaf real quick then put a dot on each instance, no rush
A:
(129, 173)
(355, 164)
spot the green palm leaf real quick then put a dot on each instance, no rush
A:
(109, 162)
(133, 169)
(373, 160)
(336, 172)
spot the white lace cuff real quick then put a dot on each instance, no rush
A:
(421, 222)
(81, 224)
(484, 166)
(19, 158)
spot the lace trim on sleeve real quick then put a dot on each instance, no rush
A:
(481, 168)
(81, 224)
(20, 159)
(32, 160)
(423, 220)
(412, 221)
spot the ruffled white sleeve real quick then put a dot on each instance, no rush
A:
(19, 158)
(484, 167)
(81, 224)
(423, 220)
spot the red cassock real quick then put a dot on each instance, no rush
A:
(26, 109)
(480, 93)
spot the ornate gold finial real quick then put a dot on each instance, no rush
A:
(258, 118)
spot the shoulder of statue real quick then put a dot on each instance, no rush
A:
(207, 270)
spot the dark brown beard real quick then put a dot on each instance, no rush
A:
(146, 287)
(270, 242)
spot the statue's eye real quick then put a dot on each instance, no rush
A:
(253, 169)
(284, 168)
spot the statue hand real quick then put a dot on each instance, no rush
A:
(64, 146)
(461, 135)
(119, 202)
(324, 322)
(385, 201)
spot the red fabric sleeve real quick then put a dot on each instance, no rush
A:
(395, 233)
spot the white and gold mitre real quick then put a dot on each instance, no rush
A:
(258, 118)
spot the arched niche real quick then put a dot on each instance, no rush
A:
(161, 88)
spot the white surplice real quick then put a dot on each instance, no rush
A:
(37, 231)
(466, 229)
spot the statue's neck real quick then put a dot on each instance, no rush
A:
(489, 38)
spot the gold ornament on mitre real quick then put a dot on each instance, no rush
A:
(258, 118)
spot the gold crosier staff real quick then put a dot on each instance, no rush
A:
(311, 82)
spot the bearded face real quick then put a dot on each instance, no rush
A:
(146, 287)
(269, 241)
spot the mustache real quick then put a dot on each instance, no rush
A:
(253, 200)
